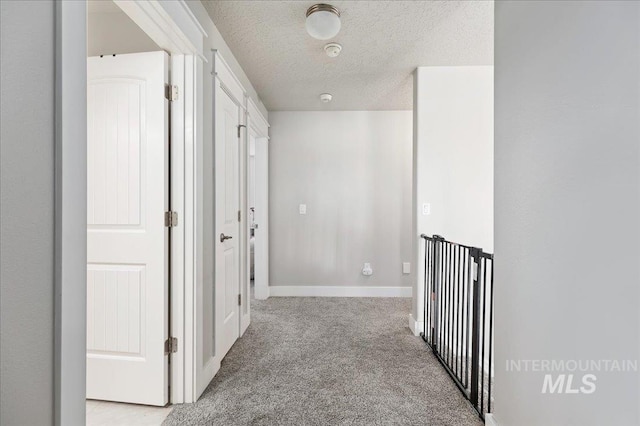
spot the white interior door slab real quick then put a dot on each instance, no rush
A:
(227, 226)
(127, 241)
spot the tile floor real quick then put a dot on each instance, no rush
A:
(103, 413)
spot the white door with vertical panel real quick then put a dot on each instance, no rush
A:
(227, 235)
(127, 241)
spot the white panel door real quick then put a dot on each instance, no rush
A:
(127, 242)
(227, 235)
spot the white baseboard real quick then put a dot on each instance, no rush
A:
(415, 326)
(489, 420)
(337, 291)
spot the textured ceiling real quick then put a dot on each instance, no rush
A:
(383, 42)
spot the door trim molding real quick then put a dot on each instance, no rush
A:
(261, 243)
(257, 120)
(228, 81)
(167, 23)
(70, 274)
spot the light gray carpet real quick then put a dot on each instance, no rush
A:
(329, 361)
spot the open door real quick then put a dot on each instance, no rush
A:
(127, 241)
(227, 221)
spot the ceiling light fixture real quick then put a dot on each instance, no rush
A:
(332, 49)
(326, 97)
(323, 21)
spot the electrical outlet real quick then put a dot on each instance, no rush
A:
(426, 209)
(367, 269)
(406, 268)
(302, 209)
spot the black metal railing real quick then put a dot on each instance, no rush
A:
(458, 315)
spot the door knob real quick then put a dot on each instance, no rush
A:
(223, 238)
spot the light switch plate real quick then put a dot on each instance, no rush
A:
(303, 209)
(406, 268)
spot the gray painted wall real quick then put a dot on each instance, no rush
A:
(27, 130)
(353, 171)
(567, 205)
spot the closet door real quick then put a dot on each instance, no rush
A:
(227, 221)
(127, 241)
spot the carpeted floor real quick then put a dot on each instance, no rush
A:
(329, 361)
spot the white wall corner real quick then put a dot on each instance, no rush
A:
(490, 420)
(262, 293)
(415, 326)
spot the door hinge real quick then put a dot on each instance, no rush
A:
(239, 215)
(171, 345)
(170, 219)
(171, 92)
(239, 299)
(239, 127)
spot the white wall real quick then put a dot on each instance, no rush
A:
(453, 145)
(27, 131)
(455, 153)
(567, 204)
(110, 30)
(353, 171)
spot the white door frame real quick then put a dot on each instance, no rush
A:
(259, 128)
(261, 243)
(168, 28)
(175, 29)
(243, 156)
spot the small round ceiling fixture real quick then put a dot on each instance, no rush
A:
(326, 97)
(323, 21)
(333, 49)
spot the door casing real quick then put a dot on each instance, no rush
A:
(258, 129)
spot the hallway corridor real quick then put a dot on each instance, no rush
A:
(329, 361)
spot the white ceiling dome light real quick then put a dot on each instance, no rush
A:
(323, 21)
(326, 97)
(333, 49)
